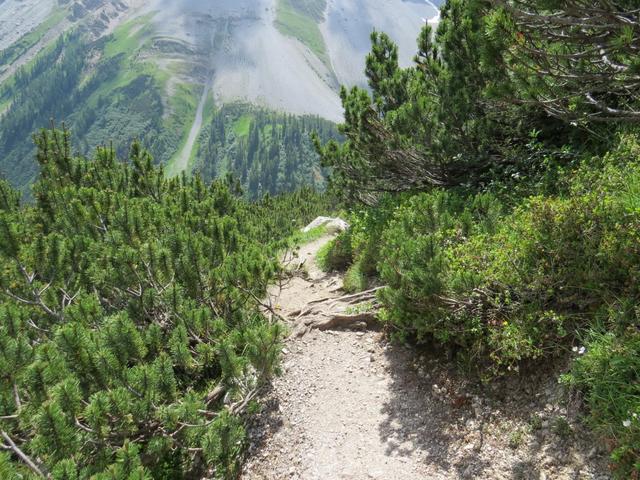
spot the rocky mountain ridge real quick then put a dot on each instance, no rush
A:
(187, 58)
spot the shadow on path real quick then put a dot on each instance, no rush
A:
(520, 427)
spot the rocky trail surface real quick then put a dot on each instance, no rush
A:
(350, 404)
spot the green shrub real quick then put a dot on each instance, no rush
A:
(608, 374)
(336, 254)
(562, 428)
(355, 279)
(516, 286)
(357, 251)
(420, 268)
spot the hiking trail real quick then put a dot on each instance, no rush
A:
(350, 404)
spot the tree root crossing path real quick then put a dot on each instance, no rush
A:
(352, 405)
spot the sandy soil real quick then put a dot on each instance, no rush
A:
(352, 405)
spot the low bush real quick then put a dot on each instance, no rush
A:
(424, 273)
(336, 254)
(508, 287)
(608, 373)
(131, 341)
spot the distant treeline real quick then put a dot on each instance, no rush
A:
(267, 152)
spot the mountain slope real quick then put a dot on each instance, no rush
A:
(157, 69)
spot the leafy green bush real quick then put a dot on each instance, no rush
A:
(517, 286)
(367, 227)
(608, 374)
(336, 254)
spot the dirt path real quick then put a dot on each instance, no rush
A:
(181, 163)
(350, 405)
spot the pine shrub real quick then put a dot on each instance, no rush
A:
(131, 341)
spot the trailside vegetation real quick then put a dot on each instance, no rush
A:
(494, 190)
(132, 342)
(576, 60)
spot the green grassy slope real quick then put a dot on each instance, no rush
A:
(300, 19)
(114, 90)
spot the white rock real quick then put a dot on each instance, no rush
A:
(337, 225)
(333, 225)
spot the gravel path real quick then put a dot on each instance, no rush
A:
(351, 405)
(181, 163)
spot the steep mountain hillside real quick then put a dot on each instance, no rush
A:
(266, 152)
(158, 70)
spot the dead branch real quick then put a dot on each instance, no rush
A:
(215, 394)
(575, 48)
(38, 469)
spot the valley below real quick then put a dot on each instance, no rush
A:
(167, 65)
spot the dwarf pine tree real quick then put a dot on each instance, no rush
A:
(448, 120)
(131, 339)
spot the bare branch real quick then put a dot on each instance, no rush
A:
(38, 469)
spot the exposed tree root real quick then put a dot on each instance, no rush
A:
(358, 296)
(295, 313)
(321, 300)
(336, 321)
(351, 299)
